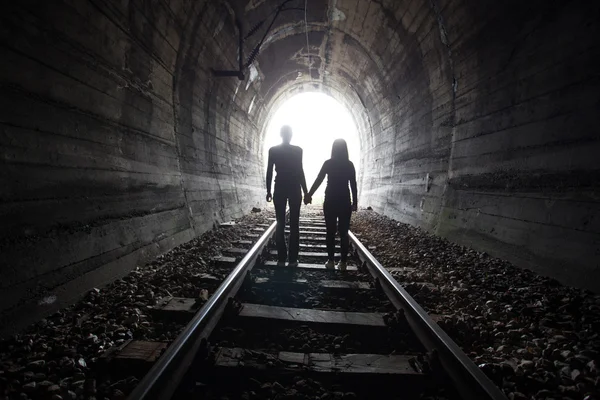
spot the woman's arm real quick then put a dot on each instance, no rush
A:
(353, 187)
(319, 180)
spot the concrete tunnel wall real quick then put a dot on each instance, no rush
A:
(118, 144)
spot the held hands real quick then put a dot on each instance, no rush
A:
(307, 198)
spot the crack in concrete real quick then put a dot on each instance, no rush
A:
(450, 122)
(445, 42)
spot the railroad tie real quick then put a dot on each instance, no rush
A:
(273, 264)
(396, 368)
(309, 315)
(324, 284)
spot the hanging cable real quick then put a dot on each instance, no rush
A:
(254, 29)
(255, 52)
(307, 44)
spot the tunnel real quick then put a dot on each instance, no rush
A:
(121, 136)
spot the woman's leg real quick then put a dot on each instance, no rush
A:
(330, 225)
(344, 225)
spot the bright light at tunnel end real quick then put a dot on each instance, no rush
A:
(316, 120)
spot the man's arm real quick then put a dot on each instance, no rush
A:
(270, 173)
(302, 177)
(353, 187)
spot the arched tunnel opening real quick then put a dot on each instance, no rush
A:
(316, 120)
(129, 128)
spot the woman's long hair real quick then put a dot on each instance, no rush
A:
(339, 150)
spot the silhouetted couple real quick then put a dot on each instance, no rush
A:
(289, 185)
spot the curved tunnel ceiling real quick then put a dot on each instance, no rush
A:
(358, 52)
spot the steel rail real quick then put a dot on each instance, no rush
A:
(469, 380)
(164, 377)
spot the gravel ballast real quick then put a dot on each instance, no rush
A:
(534, 337)
(60, 356)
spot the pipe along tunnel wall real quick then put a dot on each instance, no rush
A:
(478, 122)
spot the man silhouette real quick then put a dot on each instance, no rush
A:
(290, 179)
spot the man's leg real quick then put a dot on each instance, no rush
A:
(280, 200)
(295, 201)
(330, 226)
(344, 214)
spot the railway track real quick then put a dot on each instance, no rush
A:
(306, 332)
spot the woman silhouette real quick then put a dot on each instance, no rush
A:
(337, 206)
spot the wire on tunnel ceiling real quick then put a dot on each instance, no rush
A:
(254, 53)
(256, 27)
